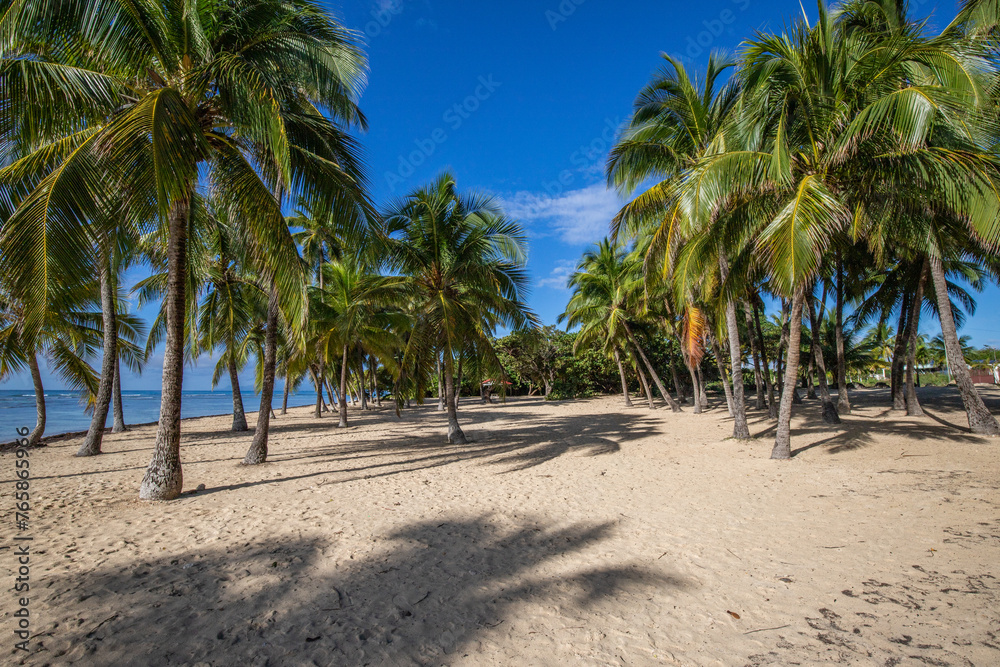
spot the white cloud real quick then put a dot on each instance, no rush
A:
(577, 217)
(559, 275)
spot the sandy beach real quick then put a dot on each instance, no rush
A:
(575, 532)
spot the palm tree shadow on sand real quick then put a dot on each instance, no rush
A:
(430, 592)
(859, 431)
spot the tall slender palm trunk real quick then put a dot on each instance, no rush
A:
(621, 373)
(284, 398)
(92, 442)
(257, 453)
(695, 389)
(899, 356)
(843, 398)
(738, 408)
(440, 385)
(36, 379)
(164, 479)
(677, 384)
(913, 408)
(239, 415)
(758, 376)
(116, 400)
(981, 421)
(720, 364)
(343, 391)
(783, 436)
(830, 415)
(455, 434)
(646, 388)
(772, 405)
(674, 405)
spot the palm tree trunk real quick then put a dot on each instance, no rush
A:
(843, 398)
(343, 391)
(284, 399)
(898, 356)
(458, 386)
(677, 384)
(318, 383)
(621, 372)
(913, 408)
(455, 434)
(239, 415)
(758, 376)
(783, 436)
(695, 390)
(36, 379)
(674, 405)
(783, 346)
(92, 442)
(362, 381)
(440, 385)
(319, 379)
(378, 396)
(164, 479)
(981, 421)
(830, 415)
(646, 388)
(807, 380)
(772, 405)
(116, 400)
(721, 365)
(738, 407)
(257, 453)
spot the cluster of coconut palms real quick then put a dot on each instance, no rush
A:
(851, 159)
(177, 136)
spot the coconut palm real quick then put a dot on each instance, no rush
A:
(606, 303)
(839, 134)
(65, 341)
(252, 95)
(357, 308)
(676, 122)
(465, 262)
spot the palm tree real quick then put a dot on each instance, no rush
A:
(465, 263)
(607, 287)
(251, 94)
(232, 305)
(839, 131)
(356, 307)
(675, 123)
(65, 340)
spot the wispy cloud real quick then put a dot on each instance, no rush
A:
(559, 275)
(577, 217)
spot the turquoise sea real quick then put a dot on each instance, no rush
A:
(65, 411)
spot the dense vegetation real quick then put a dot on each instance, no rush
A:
(845, 175)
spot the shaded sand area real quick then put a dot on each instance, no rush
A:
(566, 533)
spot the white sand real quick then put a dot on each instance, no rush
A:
(565, 533)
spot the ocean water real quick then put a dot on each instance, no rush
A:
(65, 411)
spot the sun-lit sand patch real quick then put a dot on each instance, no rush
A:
(563, 533)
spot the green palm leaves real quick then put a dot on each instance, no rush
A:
(465, 262)
(115, 110)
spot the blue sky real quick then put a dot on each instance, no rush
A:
(522, 99)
